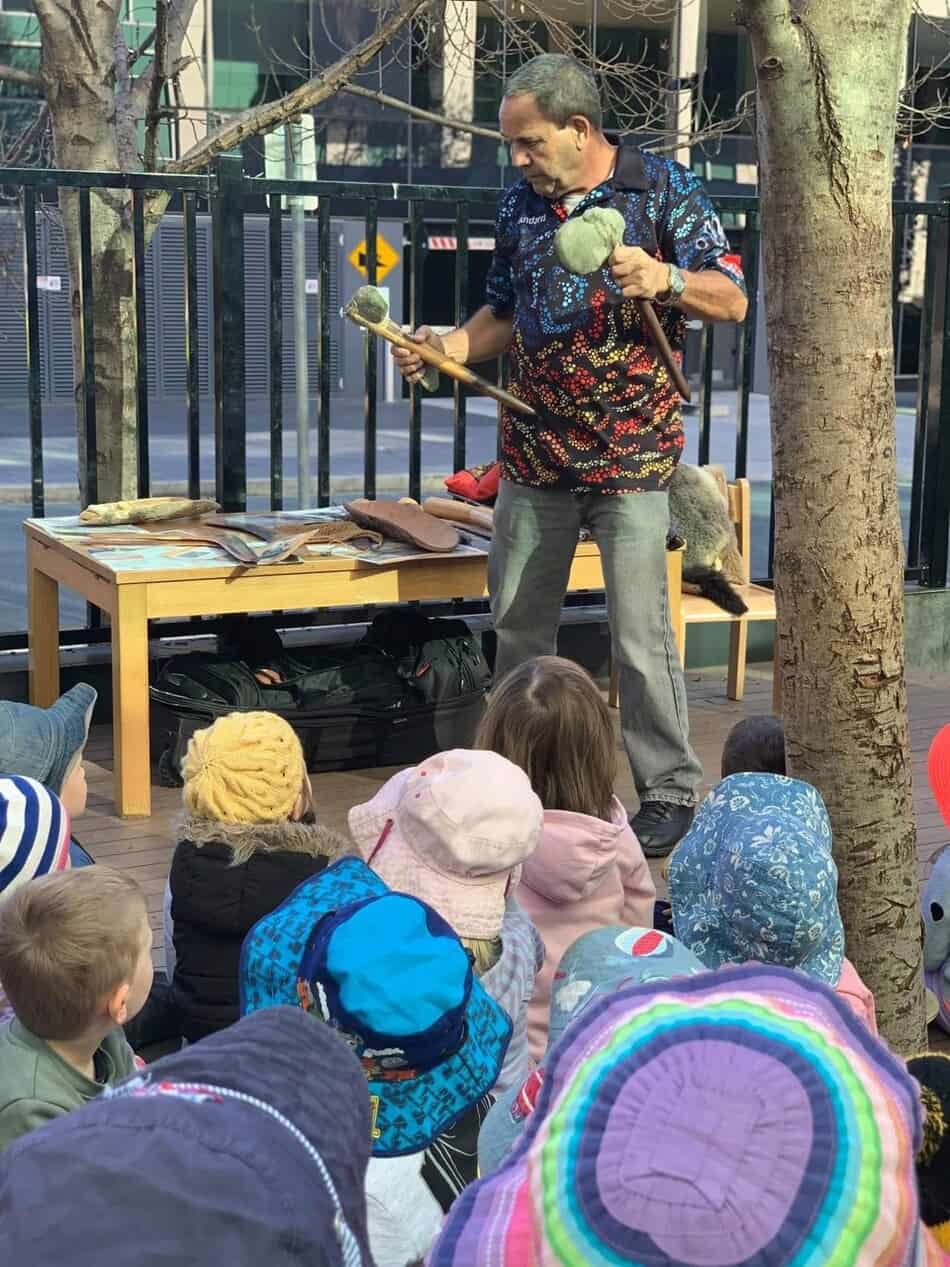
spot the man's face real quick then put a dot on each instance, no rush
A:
(550, 158)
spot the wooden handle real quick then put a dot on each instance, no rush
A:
(461, 373)
(662, 344)
(478, 517)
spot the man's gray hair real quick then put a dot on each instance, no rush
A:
(562, 87)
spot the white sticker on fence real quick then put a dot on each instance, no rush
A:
(312, 286)
(449, 243)
(49, 283)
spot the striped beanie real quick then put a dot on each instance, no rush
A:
(34, 832)
(743, 1116)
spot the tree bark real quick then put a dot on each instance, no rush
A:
(828, 75)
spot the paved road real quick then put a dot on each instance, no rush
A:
(168, 461)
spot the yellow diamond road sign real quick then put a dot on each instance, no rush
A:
(386, 258)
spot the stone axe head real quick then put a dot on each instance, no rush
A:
(369, 304)
(586, 242)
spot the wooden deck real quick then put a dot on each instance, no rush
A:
(144, 847)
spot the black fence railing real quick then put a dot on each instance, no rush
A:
(229, 197)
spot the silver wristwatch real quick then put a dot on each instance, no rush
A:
(675, 286)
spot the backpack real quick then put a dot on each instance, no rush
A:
(412, 686)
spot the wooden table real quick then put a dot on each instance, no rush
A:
(133, 590)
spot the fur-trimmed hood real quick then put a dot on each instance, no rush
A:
(224, 879)
(246, 839)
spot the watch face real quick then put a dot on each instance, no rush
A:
(677, 281)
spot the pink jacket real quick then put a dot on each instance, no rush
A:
(852, 990)
(584, 874)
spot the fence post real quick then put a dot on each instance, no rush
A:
(230, 420)
(751, 245)
(935, 526)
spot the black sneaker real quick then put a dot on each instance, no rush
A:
(660, 826)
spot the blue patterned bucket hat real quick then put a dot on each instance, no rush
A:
(392, 978)
(754, 878)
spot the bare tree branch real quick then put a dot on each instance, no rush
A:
(14, 75)
(177, 18)
(266, 117)
(155, 85)
(28, 138)
(136, 53)
(394, 103)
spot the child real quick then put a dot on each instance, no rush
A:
(755, 745)
(76, 964)
(455, 831)
(754, 879)
(599, 962)
(244, 847)
(249, 1148)
(588, 871)
(34, 840)
(709, 1119)
(932, 1071)
(387, 973)
(34, 833)
(47, 744)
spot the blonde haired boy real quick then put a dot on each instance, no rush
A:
(76, 964)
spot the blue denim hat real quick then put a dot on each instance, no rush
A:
(754, 878)
(43, 743)
(596, 964)
(249, 1148)
(392, 978)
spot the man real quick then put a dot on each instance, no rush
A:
(608, 431)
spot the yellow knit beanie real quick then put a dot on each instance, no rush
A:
(246, 768)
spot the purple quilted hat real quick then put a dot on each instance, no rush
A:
(737, 1117)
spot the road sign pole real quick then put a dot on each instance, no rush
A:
(299, 228)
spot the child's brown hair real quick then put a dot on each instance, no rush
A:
(67, 941)
(548, 716)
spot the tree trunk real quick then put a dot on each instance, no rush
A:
(828, 78)
(85, 72)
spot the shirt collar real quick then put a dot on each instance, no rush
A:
(630, 171)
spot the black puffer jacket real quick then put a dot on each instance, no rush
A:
(224, 879)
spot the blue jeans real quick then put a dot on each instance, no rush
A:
(533, 541)
(78, 856)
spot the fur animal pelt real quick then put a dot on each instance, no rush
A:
(699, 513)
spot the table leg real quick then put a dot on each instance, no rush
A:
(130, 738)
(43, 634)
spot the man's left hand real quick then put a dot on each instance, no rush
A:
(638, 275)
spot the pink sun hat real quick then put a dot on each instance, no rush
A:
(453, 831)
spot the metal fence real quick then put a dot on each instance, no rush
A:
(229, 196)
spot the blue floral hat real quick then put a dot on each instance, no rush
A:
(392, 978)
(754, 878)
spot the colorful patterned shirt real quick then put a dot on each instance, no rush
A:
(608, 415)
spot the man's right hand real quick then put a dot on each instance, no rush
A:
(411, 366)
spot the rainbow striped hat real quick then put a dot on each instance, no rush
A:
(739, 1117)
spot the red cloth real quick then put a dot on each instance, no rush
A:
(477, 485)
